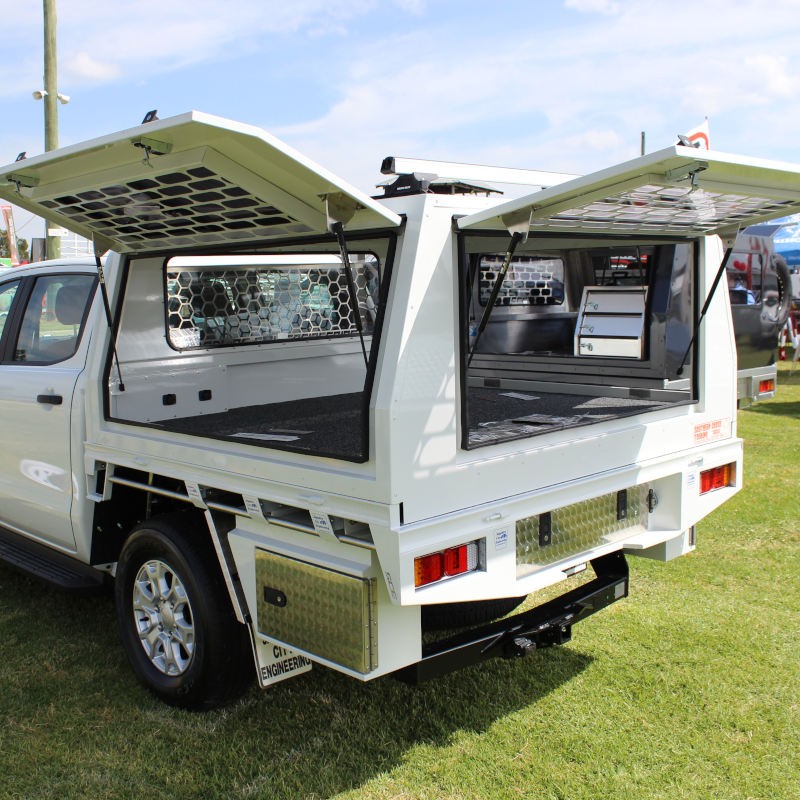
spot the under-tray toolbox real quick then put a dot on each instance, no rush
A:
(317, 609)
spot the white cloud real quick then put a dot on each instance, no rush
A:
(411, 6)
(573, 100)
(84, 65)
(609, 7)
(772, 75)
(104, 42)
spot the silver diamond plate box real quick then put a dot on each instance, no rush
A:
(578, 528)
(322, 611)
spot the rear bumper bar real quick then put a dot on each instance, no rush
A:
(544, 626)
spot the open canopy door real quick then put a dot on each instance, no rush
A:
(675, 191)
(188, 181)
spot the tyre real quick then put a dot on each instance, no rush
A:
(175, 617)
(459, 615)
(777, 308)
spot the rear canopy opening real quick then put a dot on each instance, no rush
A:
(579, 302)
(580, 332)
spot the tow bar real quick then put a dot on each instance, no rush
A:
(544, 626)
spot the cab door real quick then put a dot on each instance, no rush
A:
(42, 358)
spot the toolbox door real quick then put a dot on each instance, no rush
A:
(192, 180)
(675, 191)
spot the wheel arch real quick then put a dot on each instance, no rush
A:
(220, 663)
(134, 497)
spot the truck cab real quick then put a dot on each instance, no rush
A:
(298, 425)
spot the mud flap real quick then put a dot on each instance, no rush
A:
(277, 663)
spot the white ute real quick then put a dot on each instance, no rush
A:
(299, 425)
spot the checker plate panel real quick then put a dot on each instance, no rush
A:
(326, 613)
(579, 528)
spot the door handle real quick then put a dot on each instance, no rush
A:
(49, 399)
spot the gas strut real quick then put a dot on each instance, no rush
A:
(338, 231)
(698, 322)
(107, 306)
(516, 238)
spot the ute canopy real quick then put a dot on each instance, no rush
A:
(678, 190)
(192, 180)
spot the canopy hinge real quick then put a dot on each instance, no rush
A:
(151, 147)
(22, 181)
(339, 208)
(687, 172)
(519, 222)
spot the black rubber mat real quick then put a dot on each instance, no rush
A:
(498, 415)
(329, 426)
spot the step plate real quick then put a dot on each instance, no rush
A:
(42, 562)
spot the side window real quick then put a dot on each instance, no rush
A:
(7, 292)
(51, 325)
(271, 298)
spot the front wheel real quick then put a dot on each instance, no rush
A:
(175, 617)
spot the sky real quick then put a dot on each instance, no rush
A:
(560, 85)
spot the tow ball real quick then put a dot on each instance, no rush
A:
(520, 646)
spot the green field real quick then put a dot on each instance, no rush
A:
(687, 689)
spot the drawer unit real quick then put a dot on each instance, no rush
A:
(611, 322)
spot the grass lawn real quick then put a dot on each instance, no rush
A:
(687, 689)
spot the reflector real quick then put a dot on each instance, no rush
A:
(455, 560)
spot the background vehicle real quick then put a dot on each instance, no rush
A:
(760, 290)
(299, 425)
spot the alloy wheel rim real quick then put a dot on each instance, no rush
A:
(163, 618)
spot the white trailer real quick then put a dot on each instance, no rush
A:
(297, 425)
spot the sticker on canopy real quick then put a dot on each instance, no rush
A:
(253, 506)
(712, 431)
(194, 494)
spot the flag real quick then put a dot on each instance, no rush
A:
(11, 233)
(699, 136)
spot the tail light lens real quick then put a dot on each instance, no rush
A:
(428, 569)
(446, 563)
(766, 386)
(717, 478)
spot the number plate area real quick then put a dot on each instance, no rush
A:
(562, 533)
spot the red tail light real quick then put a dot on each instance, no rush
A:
(446, 563)
(717, 478)
(766, 386)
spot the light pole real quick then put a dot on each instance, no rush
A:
(51, 97)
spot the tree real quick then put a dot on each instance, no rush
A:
(22, 246)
